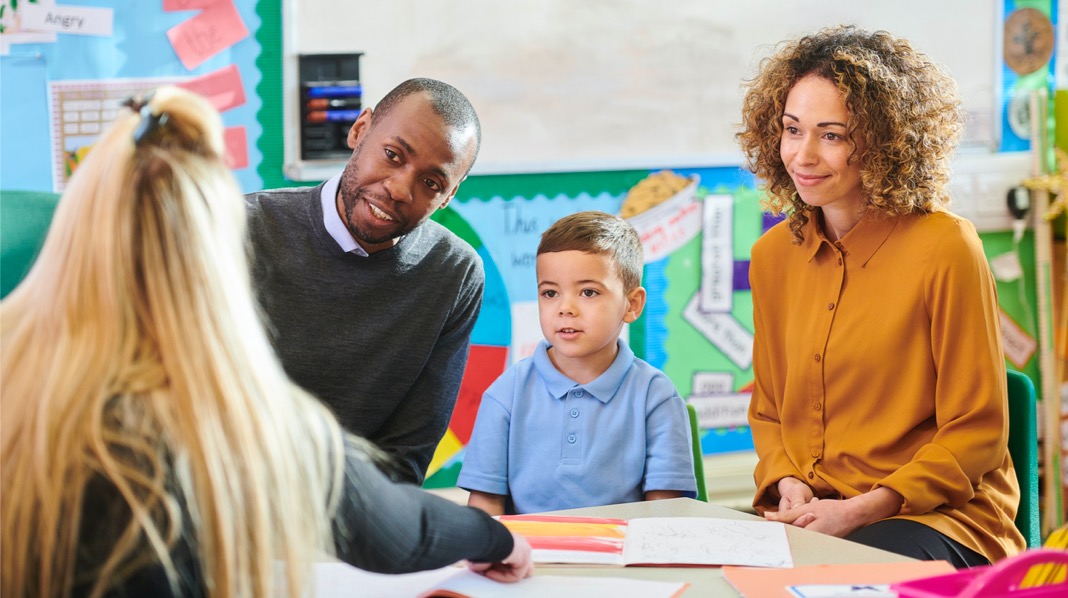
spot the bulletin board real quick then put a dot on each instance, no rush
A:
(61, 88)
(599, 85)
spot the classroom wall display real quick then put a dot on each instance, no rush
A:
(66, 65)
(606, 85)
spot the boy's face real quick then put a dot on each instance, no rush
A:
(582, 306)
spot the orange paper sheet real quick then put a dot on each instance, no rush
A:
(770, 583)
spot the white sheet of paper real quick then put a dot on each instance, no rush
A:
(341, 580)
(540, 586)
(697, 540)
(79, 20)
(842, 591)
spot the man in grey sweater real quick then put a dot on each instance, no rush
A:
(369, 304)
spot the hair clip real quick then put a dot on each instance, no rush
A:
(149, 121)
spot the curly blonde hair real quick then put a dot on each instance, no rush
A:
(905, 114)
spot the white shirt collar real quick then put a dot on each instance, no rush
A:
(332, 220)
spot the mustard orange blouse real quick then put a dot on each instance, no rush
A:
(878, 362)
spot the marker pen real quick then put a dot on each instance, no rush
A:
(321, 116)
(324, 103)
(335, 91)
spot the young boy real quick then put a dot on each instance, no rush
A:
(582, 422)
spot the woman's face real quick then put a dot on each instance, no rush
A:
(815, 147)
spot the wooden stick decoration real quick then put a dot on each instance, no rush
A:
(1048, 370)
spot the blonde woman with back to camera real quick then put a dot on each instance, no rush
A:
(150, 442)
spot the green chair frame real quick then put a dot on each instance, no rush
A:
(1023, 447)
(24, 220)
(698, 454)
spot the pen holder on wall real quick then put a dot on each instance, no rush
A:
(331, 99)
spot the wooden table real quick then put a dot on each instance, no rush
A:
(808, 548)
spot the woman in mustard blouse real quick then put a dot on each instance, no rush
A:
(879, 412)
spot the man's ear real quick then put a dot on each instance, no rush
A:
(362, 124)
(635, 304)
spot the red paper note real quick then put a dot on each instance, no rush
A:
(176, 5)
(223, 87)
(236, 140)
(205, 35)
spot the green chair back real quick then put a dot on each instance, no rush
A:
(24, 220)
(1023, 446)
(698, 454)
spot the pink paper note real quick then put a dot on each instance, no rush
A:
(223, 87)
(176, 5)
(205, 35)
(236, 140)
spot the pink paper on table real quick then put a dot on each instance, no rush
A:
(223, 87)
(176, 5)
(236, 140)
(205, 35)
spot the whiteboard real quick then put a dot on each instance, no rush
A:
(565, 85)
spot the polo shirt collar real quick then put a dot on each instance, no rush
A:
(603, 388)
(860, 243)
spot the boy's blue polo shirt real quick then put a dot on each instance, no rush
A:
(550, 443)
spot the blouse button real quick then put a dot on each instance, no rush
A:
(571, 439)
(816, 357)
(839, 261)
(815, 454)
(817, 406)
(574, 413)
(811, 475)
(830, 305)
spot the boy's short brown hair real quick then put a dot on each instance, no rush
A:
(599, 233)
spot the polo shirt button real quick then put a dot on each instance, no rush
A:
(839, 261)
(815, 454)
(571, 439)
(811, 475)
(578, 393)
(817, 406)
(574, 413)
(816, 357)
(830, 305)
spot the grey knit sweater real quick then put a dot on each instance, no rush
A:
(382, 340)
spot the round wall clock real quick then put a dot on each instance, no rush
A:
(1028, 40)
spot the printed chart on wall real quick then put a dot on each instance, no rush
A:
(80, 111)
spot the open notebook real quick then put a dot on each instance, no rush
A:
(653, 541)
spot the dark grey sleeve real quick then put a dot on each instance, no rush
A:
(386, 527)
(413, 431)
